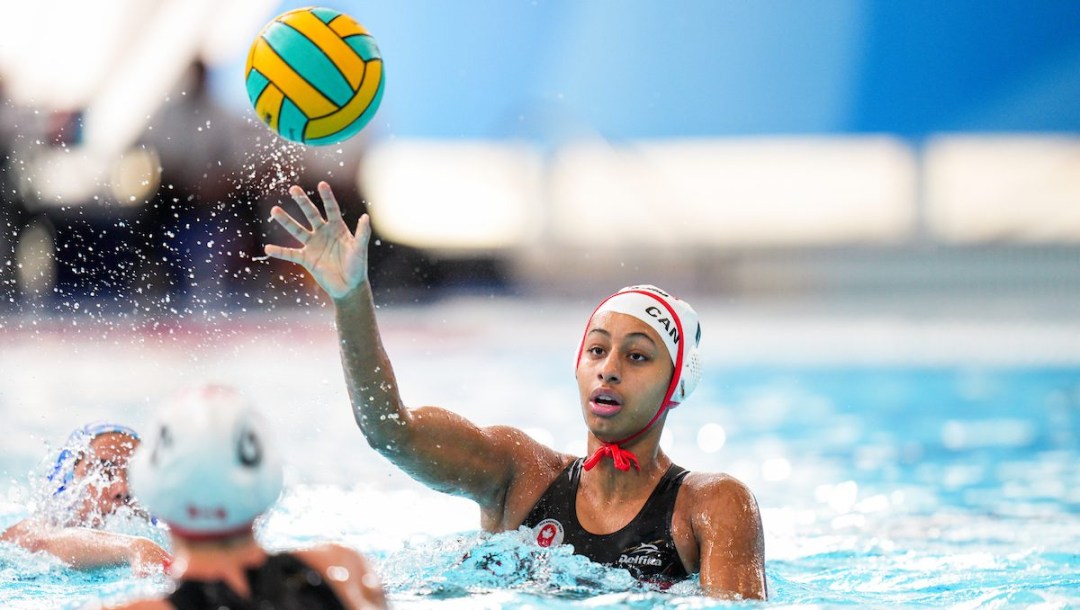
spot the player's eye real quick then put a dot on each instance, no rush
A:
(108, 467)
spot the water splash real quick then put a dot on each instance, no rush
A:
(479, 563)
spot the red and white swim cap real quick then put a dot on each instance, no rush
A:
(207, 467)
(674, 320)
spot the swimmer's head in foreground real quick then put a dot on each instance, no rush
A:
(208, 467)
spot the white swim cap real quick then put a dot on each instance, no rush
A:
(677, 324)
(207, 466)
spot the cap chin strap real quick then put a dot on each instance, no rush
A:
(624, 458)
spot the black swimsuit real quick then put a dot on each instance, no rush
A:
(644, 546)
(282, 583)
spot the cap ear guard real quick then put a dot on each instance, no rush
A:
(63, 471)
(692, 373)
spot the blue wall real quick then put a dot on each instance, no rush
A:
(548, 69)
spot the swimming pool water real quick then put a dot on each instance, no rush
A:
(897, 462)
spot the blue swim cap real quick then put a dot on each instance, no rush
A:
(63, 471)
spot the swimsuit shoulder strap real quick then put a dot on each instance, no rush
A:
(558, 499)
(667, 489)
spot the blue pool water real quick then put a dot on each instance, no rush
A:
(898, 462)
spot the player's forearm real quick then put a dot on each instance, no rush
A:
(79, 547)
(91, 551)
(370, 380)
(435, 446)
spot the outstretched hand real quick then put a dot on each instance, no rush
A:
(334, 256)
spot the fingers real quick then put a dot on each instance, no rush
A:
(293, 255)
(363, 231)
(306, 206)
(298, 231)
(333, 210)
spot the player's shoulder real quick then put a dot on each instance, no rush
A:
(718, 490)
(330, 554)
(721, 510)
(525, 448)
(347, 571)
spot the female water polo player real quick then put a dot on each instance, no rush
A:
(627, 504)
(208, 470)
(86, 486)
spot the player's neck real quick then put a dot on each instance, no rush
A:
(224, 560)
(605, 481)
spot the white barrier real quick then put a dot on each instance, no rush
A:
(752, 193)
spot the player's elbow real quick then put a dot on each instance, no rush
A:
(390, 435)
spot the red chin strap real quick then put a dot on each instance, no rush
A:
(624, 458)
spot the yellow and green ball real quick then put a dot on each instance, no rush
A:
(315, 76)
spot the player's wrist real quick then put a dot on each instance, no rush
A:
(354, 298)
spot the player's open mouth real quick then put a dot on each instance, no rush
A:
(604, 403)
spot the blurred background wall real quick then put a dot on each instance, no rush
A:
(748, 149)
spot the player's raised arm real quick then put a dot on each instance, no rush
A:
(433, 445)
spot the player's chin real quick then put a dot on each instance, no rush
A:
(603, 428)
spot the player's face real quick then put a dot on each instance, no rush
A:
(105, 468)
(623, 375)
